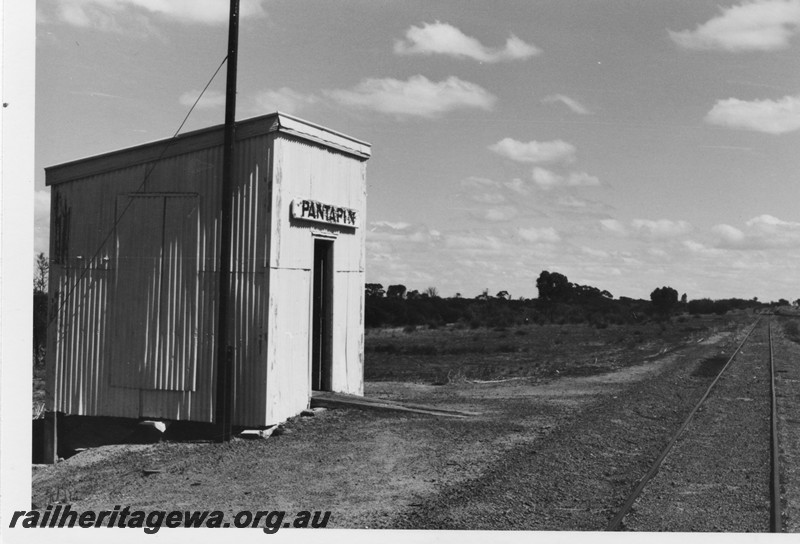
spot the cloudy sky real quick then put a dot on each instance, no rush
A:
(625, 144)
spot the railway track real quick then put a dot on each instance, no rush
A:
(721, 470)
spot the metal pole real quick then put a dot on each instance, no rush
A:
(224, 404)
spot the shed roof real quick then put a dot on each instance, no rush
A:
(203, 139)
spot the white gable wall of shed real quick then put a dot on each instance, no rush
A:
(308, 171)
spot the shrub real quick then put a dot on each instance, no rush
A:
(792, 331)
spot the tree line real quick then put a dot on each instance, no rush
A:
(558, 301)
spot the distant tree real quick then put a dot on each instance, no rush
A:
(41, 273)
(664, 299)
(783, 302)
(458, 295)
(587, 292)
(413, 295)
(432, 292)
(797, 302)
(553, 287)
(396, 291)
(374, 290)
(683, 298)
(503, 295)
(484, 295)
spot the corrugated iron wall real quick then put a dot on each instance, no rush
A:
(247, 325)
(164, 294)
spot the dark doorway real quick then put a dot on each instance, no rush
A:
(322, 316)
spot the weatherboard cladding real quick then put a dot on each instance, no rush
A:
(143, 344)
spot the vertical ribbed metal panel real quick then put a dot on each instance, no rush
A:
(175, 366)
(136, 312)
(199, 172)
(86, 352)
(81, 284)
(180, 391)
(249, 285)
(79, 338)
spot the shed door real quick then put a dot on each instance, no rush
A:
(154, 340)
(322, 316)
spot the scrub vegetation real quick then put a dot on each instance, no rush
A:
(559, 302)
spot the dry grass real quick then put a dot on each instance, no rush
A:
(453, 354)
(792, 331)
(37, 407)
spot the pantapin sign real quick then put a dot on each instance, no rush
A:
(311, 210)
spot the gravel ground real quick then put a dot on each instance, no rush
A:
(787, 379)
(716, 477)
(556, 455)
(579, 474)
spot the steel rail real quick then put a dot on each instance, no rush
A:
(775, 476)
(615, 522)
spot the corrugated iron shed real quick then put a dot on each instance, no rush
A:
(134, 249)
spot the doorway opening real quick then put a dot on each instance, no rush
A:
(322, 316)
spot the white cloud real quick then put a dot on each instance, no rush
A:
(475, 182)
(488, 198)
(571, 103)
(388, 235)
(767, 231)
(614, 226)
(770, 116)
(210, 99)
(533, 151)
(728, 234)
(695, 247)
(518, 186)
(764, 232)
(458, 241)
(539, 235)
(763, 25)
(657, 252)
(592, 252)
(646, 228)
(662, 228)
(547, 179)
(503, 213)
(416, 97)
(284, 100)
(444, 39)
(770, 223)
(116, 15)
(582, 179)
(398, 225)
(570, 201)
